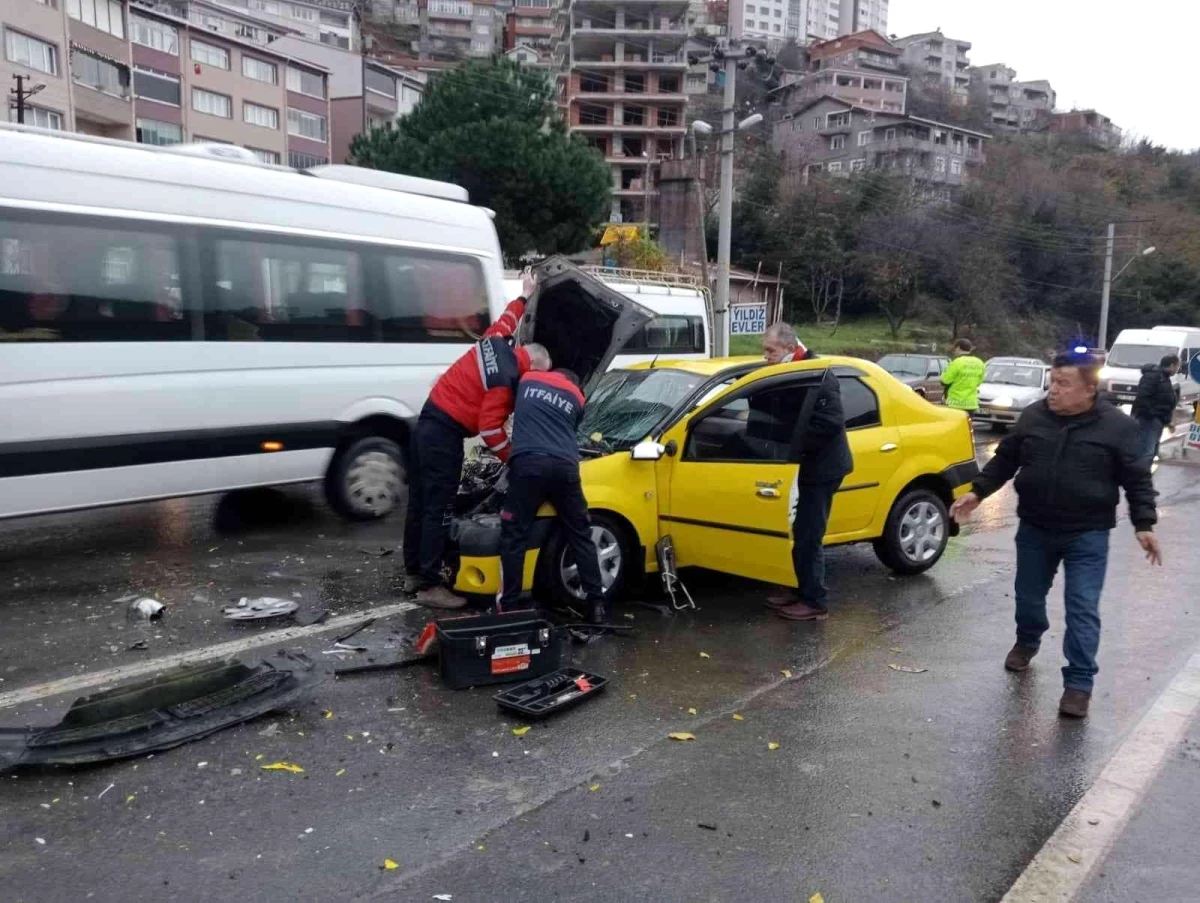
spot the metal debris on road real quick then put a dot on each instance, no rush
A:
(443, 896)
(145, 609)
(308, 619)
(908, 669)
(260, 609)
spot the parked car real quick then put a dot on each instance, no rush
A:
(698, 450)
(1010, 385)
(920, 372)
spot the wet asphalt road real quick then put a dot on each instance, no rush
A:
(885, 785)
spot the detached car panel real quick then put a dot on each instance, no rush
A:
(719, 481)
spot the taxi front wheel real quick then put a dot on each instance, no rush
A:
(916, 532)
(614, 550)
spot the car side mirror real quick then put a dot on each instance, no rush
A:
(648, 450)
(672, 448)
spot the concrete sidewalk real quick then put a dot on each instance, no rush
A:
(1157, 857)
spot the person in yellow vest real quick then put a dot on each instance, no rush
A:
(963, 377)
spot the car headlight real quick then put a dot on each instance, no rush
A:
(1106, 373)
(1003, 401)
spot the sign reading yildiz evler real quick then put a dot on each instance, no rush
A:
(747, 319)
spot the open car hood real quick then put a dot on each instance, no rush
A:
(583, 323)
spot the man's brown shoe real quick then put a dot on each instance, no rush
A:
(798, 611)
(1018, 658)
(1074, 703)
(439, 597)
(781, 598)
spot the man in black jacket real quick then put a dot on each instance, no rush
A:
(544, 467)
(1154, 406)
(1069, 454)
(823, 452)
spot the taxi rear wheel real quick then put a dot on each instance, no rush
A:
(614, 550)
(916, 533)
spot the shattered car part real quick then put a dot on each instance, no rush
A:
(664, 550)
(145, 609)
(404, 647)
(260, 609)
(179, 706)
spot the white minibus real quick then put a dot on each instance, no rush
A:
(177, 321)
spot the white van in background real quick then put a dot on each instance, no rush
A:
(681, 326)
(175, 323)
(1135, 348)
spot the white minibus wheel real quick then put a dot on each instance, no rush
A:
(368, 479)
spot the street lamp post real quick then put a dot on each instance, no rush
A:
(1109, 279)
(720, 325)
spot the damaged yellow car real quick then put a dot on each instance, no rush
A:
(697, 451)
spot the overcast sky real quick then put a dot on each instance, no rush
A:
(1135, 61)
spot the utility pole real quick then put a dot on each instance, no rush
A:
(21, 94)
(725, 219)
(1108, 256)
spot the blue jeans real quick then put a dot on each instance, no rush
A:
(1084, 557)
(1149, 435)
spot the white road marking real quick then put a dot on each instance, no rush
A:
(1072, 853)
(95, 679)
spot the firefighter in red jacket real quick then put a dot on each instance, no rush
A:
(473, 398)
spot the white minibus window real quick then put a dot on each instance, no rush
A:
(432, 297)
(74, 279)
(269, 291)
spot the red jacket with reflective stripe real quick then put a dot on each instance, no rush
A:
(477, 390)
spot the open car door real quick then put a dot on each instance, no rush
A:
(582, 322)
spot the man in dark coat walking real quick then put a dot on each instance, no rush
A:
(1069, 455)
(1154, 406)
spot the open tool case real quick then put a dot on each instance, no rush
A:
(551, 694)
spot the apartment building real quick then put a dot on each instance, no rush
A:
(460, 29)
(76, 54)
(1086, 127)
(832, 136)
(530, 25)
(225, 20)
(862, 15)
(621, 66)
(363, 93)
(868, 87)
(333, 22)
(764, 20)
(938, 60)
(193, 84)
(1012, 105)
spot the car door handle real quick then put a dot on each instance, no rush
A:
(766, 492)
(888, 447)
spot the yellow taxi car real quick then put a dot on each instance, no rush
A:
(699, 451)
